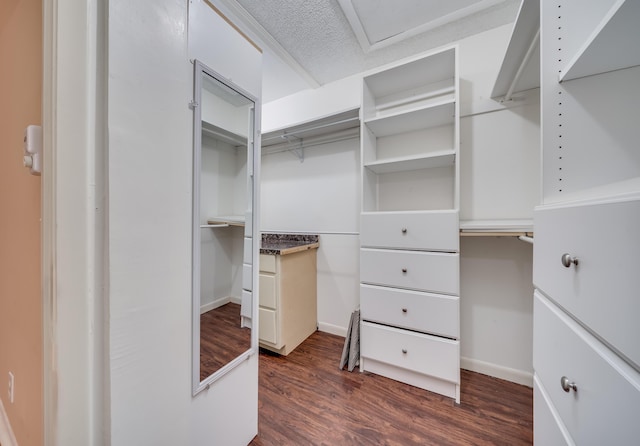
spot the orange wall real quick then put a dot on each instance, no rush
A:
(20, 282)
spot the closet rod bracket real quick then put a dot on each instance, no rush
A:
(297, 151)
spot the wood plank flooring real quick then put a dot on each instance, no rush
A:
(304, 399)
(221, 338)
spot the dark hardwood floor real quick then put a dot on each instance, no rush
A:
(304, 399)
(221, 338)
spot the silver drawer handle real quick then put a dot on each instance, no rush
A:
(404, 310)
(404, 230)
(568, 385)
(404, 350)
(404, 270)
(567, 260)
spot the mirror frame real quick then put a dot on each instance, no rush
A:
(253, 163)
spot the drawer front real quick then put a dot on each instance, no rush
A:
(418, 352)
(246, 304)
(415, 310)
(548, 429)
(424, 271)
(602, 289)
(605, 407)
(247, 277)
(268, 326)
(268, 263)
(268, 291)
(247, 251)
(431, 231)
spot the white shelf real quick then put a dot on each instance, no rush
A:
(229, 220)
(520, 70)
(430, 115)
(496, 227)
(612, 46)
(406, 163)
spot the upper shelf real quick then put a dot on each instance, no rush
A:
(223, 135)
(520, 68)
(613, 45)
(225, 220)
(432, 114)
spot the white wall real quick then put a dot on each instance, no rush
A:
(320, 196)
(499, 179)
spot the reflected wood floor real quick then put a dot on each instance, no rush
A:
(304, 399)
(221, 338)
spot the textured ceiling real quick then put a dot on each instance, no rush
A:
(318, 36)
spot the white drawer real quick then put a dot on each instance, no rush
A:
(268, 326)
(247, 277)
(268, 291)
(268, 263)
(425, 271)
(431, 231)
(430, 313)
(418, 352)
(548, 429)
(247, 253)
(602, 290)
(605, 407)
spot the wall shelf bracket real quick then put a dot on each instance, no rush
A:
(298, 150)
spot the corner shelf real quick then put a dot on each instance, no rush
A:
(407, 163)
(611, 46)
(520, 68)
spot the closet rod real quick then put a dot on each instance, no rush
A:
(525, 238)
(309, 129)
(523, 64)
(317, 141)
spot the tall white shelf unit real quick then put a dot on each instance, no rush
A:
(409, 257)
(586, 352)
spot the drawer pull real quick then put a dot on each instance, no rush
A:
(568, 385)
(404, 230)
(404, 351)
(567, 260)
(404, 270)
(404, 310)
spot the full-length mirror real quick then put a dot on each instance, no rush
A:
(223, 213)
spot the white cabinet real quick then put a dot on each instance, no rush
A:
(288, 307)
(585, 266)
(409, 257)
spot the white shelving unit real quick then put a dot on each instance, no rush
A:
(586, 338)
(409, 269)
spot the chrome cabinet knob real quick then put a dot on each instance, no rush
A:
(404, 270)
(567, 260)
(567, 385)
(404, 230)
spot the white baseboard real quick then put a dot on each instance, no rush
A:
(215, 304)
(6, 433)
(497, 371)
(332, 329)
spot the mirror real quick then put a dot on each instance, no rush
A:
(223, 224)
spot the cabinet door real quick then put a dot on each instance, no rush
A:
(602, 289)
(414, 270)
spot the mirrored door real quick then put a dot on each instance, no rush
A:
(223, 213)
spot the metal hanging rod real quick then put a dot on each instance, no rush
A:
(312, 128)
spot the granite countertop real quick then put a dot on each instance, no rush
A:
(281, 244)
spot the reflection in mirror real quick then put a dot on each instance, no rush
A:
(222, 226)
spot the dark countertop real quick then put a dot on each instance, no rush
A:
(281, 244)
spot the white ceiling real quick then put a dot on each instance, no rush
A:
(308, 43)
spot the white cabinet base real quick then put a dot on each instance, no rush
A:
(416, 379)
